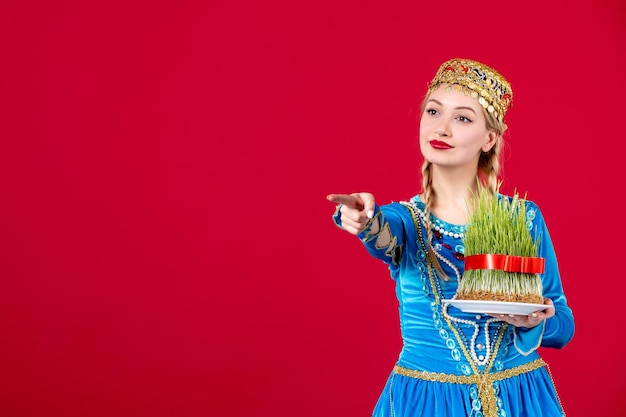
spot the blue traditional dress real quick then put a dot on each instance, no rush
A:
(456, 364)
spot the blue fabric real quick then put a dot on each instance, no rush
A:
(434, 344)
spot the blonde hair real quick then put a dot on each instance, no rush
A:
(488, 170)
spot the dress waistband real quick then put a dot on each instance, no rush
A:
(484, 382)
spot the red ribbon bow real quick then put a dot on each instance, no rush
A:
(508, 263)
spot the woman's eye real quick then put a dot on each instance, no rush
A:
(431, 111)
(464, 119)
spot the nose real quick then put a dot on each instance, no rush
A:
(441, 132)
(442, 128)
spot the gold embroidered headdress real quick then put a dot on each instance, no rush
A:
(478, 80)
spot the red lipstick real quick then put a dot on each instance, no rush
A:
(437, 144)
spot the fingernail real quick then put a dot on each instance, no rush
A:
(370, 214)
(510, 315)
(534, 314)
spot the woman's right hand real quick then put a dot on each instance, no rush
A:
(356, 210)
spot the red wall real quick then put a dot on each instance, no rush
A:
(166, 247)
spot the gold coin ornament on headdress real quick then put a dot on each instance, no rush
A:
(478, 80)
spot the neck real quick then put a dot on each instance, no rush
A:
(452, 194)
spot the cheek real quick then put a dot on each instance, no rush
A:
(424, 128)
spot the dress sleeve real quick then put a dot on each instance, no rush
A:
(558, 330)
(385, 235)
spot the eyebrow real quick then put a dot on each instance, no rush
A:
(456, 108)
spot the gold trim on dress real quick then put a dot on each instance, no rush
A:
(484, 382)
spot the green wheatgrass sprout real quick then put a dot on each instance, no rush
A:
(498, 226)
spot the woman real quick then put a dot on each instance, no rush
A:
(453, 363)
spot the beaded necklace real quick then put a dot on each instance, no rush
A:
(457, 232)
(454, 322)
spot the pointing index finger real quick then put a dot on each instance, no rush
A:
(347, 200)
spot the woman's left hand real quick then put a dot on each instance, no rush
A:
(529, 321)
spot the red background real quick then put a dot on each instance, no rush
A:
(166, 246)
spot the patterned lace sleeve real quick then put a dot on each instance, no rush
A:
(385, 236)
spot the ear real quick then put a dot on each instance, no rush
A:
(492, 137)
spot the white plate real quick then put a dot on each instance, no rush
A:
(499, 307)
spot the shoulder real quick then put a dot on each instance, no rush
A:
(406, 206)
(406, 210)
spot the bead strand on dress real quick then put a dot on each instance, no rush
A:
(436, 227)
(473, 354)
(444, 308)
(450, 264)
(472, 344)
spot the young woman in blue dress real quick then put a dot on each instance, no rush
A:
(454, 363)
